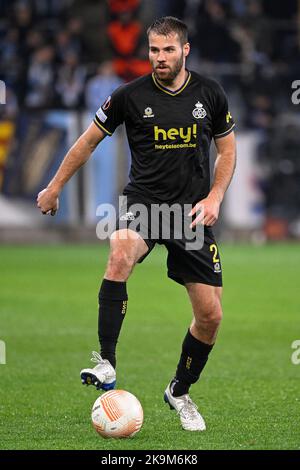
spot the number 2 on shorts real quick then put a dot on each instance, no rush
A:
(214, 248)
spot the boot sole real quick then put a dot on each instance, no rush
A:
(87, 378)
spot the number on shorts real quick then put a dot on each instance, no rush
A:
(214, 248)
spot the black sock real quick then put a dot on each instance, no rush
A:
(193, 358)
(112, 309)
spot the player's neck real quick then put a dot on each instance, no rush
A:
(177, 82)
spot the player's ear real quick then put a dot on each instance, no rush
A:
(186, 49)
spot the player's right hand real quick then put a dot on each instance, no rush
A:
(47, 201)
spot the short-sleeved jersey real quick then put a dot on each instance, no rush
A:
(169, 135)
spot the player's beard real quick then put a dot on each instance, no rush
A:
(168, 78)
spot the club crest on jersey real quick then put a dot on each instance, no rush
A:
(199, 112)
(148, 113)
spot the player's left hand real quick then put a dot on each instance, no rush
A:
(209, 211)
(47, 201)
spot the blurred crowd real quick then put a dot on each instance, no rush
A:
(52, 50)
(70, 54)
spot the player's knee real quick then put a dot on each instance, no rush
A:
(217, 315)
(211, 313)
(120, 264)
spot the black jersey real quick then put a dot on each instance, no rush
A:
(169, 134)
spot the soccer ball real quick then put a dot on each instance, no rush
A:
(117, 413)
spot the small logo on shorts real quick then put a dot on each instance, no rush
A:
(199, 112)
(127, 216)
(217, 268)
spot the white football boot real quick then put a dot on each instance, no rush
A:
(191, 419)
(103, 375)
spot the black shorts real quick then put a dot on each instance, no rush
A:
(189, 260)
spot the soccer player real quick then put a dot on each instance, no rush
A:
(171, 117)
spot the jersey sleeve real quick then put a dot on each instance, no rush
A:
(223, 122)
(112, 112)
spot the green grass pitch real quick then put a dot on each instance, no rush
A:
(248, 393)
